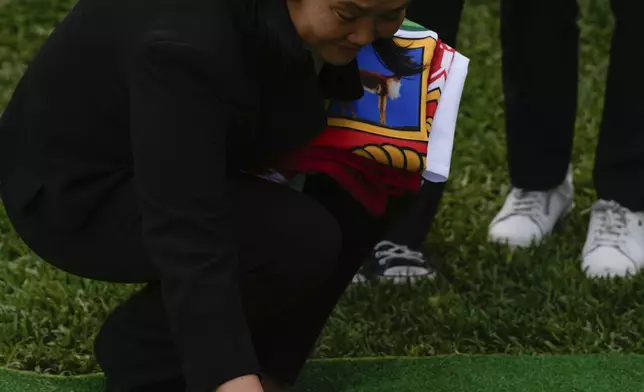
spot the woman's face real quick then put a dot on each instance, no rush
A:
(337, 29)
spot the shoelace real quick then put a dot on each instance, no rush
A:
(528, 203)
(392, 250)
(611, 223)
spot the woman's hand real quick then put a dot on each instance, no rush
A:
(248, 383)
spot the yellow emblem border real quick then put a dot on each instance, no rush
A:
(429, 46)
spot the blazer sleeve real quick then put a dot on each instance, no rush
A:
(180, 119)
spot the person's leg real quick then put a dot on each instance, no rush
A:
(540, 43)
(291, 336)
(616, 246)
(409, 229)
(292, 277)
(397, 256)
(619, 164)
(443, 17)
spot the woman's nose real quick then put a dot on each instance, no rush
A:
(364, 34)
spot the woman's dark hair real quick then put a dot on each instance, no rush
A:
(395, 58)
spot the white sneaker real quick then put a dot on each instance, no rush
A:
(615, 241)
(528, 216)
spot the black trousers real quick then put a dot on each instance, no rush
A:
(443, 17)
(292, 274)
(412, 223)
(540, 41)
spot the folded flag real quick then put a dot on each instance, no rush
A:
(399, 133)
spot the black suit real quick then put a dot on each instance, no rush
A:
(119, 160)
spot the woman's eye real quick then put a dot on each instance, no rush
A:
(345, 17)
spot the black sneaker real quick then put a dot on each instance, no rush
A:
(399, 264)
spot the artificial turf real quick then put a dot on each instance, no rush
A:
(599, 373)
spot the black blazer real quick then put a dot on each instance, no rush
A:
(175, 95)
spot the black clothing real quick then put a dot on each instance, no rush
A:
(443, 17)
(297, 254)
(126, 133)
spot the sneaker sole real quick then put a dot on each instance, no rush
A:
(402, 279)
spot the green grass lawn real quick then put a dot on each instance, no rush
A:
(486, 299)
